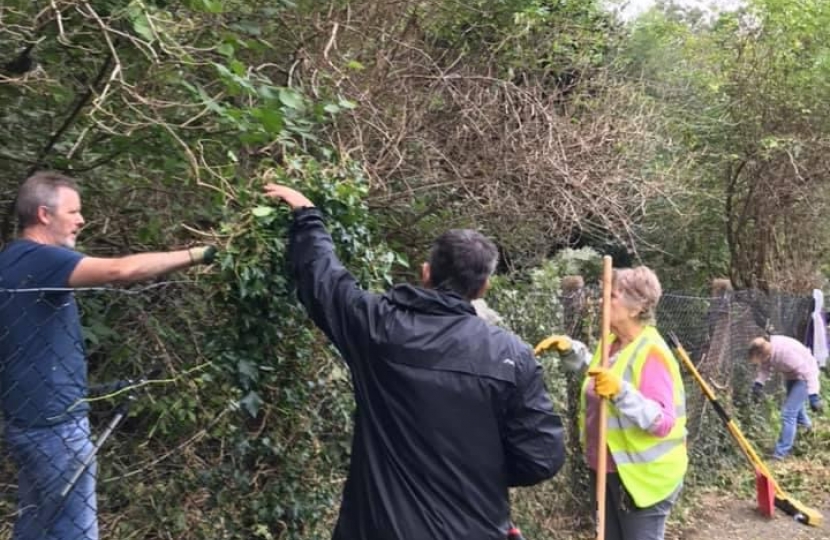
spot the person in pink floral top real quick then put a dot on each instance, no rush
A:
(799, 369)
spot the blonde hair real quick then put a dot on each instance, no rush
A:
(759, 348)
(640, 289)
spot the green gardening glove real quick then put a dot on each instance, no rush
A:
(203, 254)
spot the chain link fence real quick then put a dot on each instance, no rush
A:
(91, 401)
(75, 445)
(715, 331)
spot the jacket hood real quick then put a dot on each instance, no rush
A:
(429, 301)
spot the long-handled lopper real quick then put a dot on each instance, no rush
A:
(125, 388)
(768, 491)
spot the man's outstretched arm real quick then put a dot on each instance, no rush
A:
(330, 294)
(92, 271)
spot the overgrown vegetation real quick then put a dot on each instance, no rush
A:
(697, 145)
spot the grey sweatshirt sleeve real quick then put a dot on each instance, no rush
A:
(578, 358)
(632, 404)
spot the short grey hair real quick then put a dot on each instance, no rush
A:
(461, 261)
(40, 189)
(640, 289)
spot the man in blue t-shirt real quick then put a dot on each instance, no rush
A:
(43, 376)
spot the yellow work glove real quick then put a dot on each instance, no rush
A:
(560, 344)
(606, 384)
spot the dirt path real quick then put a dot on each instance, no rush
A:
(722, 518)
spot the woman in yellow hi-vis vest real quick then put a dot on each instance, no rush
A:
(646, 426)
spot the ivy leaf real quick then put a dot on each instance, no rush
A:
(291, 99)
(237, 68)
(251, 403)
(212, 6)
(142, 26)
(225, 49)
(271, 120)
(262, 211)
(347, 104)
(248, 370)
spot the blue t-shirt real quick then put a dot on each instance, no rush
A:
(42, 361)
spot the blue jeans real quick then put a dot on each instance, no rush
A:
(793, 414)
(47, 460)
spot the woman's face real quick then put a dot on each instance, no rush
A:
(621, 311)
(763, 355)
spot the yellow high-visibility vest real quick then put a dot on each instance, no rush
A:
(650, 468)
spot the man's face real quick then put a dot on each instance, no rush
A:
(425, 275)
(65, 219)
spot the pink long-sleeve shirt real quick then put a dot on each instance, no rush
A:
(655, 385)
(793, 360)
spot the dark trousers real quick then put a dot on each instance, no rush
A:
(624, 520)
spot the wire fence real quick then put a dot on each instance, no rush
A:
(88, 378)
(715, 330)
(93, 407)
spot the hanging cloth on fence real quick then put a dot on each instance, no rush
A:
(819, 330)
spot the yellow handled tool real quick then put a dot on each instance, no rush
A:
(783, 501)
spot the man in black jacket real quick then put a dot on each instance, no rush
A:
(451, 411)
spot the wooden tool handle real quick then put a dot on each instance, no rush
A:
(602, 439)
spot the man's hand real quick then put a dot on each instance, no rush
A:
(291, 197)
(202, 254)
(815, 403)
(606, 384)
(561, 344)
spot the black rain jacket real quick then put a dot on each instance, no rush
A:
(451, 411)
